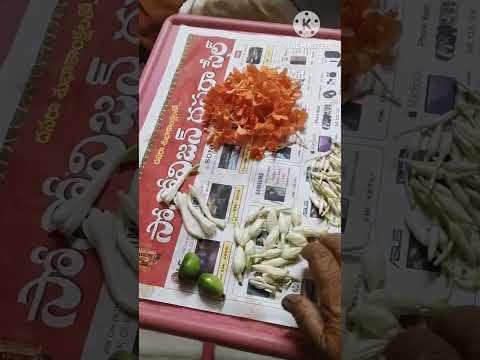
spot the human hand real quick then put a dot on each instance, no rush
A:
(452, 334)
(321, 322)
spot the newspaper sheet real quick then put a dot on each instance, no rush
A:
(172, 139)
(430, 60)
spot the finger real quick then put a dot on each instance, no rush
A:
(326, 275)
(307, 316)
(420, 344)
(334, 243)
(324, 335)
(460, 326)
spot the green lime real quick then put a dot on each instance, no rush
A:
(211, 286)
(190, 267)
(123, 355)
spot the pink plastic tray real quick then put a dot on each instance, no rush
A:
(243, 334)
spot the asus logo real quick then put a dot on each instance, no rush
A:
(446, 38)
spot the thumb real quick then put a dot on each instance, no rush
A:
(420, 344)
(325, 336)
(460, 326)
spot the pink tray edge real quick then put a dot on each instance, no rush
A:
(238, 333)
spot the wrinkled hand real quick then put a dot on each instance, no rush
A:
(452, 334)
(321, 322)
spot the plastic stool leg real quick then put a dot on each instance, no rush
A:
(208, 352)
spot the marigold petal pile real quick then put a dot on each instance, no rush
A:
(368, 37)
(257, 107)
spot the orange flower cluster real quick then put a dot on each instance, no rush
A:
(368, 37)
(257, 107)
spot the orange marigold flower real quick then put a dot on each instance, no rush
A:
(256, 106)
(256, 152)
(368, 38)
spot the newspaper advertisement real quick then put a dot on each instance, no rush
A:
(172, 140)
(445, 50)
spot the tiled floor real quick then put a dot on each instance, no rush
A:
(156, 346)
